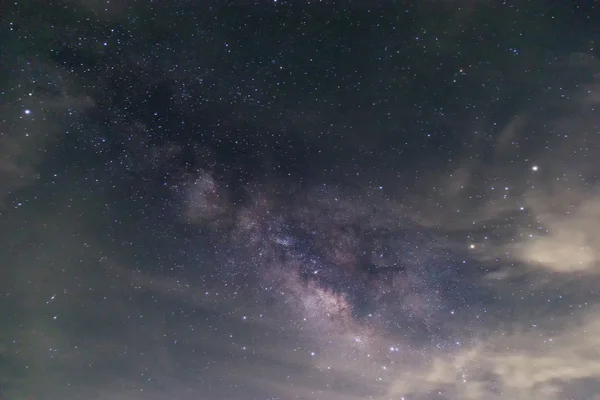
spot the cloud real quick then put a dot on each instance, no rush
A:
(570, 241)
(524, 202)
(530, 364)
(544, 219)
(32, 120)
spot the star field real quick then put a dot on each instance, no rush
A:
(317, 200)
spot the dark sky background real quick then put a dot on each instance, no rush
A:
(273, 200)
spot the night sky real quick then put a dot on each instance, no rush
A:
(299, 200)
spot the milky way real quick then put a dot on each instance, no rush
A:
(341, 255)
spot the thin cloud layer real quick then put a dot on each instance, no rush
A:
(569, 239)
(541, 210)
(529, 363)
(33, 120)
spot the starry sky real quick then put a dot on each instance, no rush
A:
(310, 200)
